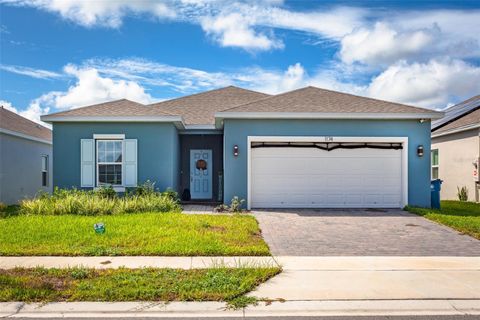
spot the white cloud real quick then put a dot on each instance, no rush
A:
(104, 13)
(8, 105)
(92, 88)
(382, 45)
(236, 30)
(432, 84)
(31, 72)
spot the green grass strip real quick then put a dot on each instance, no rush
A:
(170, 234)
(459, 215)
(77, 284)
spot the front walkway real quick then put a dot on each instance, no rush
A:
(360, 232)
(198, 209)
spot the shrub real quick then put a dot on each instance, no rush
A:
(3, 207)
(236, 204)
(145, 188)
(98, 202)
(462, 193)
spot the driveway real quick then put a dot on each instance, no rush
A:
(359, 232)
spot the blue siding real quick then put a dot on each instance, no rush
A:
(158, 150)
(237, 131)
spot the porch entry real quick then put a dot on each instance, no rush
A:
(201, 167)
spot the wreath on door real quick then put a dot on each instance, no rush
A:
(201, 164)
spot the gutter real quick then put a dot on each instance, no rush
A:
(456, 130)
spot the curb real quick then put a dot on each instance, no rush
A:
(219, 309)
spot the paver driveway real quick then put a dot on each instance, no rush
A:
(360, 232)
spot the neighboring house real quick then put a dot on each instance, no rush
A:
(25, 158)
(456, 149)
(305, 148)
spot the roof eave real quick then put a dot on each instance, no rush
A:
(219, 116)
(24, 136)
(177, 120)
(456, 130)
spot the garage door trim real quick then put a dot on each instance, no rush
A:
(402, 140)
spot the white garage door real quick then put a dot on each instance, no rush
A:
(285, 177)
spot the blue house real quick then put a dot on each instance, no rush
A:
(305, 148)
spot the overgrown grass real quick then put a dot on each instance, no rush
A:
(459, 215)
(132, 234)
(102, 202)
(216, 284)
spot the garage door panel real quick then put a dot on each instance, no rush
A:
(308, 177)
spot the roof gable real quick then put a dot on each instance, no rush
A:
(116, 108)
(13, 122)
(316, 100)
(200, 108)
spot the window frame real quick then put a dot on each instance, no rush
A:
(434, 166)
(97, 163)
(45, 170)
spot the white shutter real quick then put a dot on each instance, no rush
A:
(87, 167)
(130, 162)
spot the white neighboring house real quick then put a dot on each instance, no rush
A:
(25, 158)
(456, 149)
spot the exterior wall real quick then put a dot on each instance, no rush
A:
(456, 153)
(157, 154)
(21, 168)
(202, 141)
(237, 131)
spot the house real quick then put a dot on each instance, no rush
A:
(304, 148)
(456, 149)
(25, 158)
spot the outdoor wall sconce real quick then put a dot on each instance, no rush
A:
(420, 151)
(235, 151)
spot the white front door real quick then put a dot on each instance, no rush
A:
(313, 178)
(201, 167)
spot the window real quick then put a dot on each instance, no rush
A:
(109, 162)
(434, 164)
(44, 171)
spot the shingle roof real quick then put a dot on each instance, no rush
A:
(200, 108)
(117, 108)
(13, 122)
(455, 114)
(316, 100)
(471, 118)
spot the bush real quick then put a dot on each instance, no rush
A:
(98, 202)
(462, 193)
(235, 206)
(3, 207)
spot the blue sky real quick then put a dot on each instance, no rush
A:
(62, 54)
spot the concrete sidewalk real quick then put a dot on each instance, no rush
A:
(371, 278)
(220, 309)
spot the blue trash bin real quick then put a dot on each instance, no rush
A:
(435, 187)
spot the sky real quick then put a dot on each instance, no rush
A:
(61, 54)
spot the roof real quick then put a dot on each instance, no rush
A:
(117, 108)
(12, 122)
(208, 108)
(467, 121)
(316, 100)
(200, 108)
(462, 114)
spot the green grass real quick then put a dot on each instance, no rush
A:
(461, 216)
(216, 284)
(168, 234)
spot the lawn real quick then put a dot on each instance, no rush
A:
(167, 234)
(461, 216)
(217, 284)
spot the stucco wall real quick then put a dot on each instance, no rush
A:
(456, 153)
(237, 131)
(157, 155)
(21, 168)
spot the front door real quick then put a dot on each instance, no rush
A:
(201, 166)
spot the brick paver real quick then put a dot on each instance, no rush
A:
(360, 232)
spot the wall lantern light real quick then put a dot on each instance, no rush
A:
(235, 150)
(420, 151)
